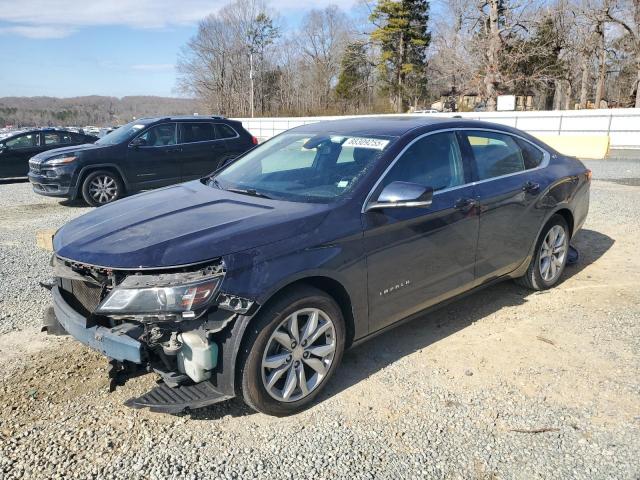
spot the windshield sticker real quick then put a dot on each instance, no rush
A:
(361, 142)
(137, 126)
(343, 183)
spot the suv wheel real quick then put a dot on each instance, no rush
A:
(101, 187)
(552, 249)
(291, 351)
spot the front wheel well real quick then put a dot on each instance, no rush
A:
(335, 290)
(90, 170)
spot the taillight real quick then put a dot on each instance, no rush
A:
(588, 175)
(254, 140)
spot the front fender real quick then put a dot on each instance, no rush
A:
(75, 182)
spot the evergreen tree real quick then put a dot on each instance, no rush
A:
(403, 35)
(354, 76)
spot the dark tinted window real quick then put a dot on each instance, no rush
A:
(160, 135)
(24, 141)
(532, 155)
(225, 131)
(496, 154)
(197, 132)
(433, 161)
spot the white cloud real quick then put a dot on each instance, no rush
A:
(57, 18)
(37, 31)
(83, 13)
(153, 67)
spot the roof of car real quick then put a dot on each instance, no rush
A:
(181, 117)
(22, 131)
(392, 125)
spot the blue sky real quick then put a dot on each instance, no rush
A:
(67, 48)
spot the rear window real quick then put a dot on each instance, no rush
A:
(225, 131)
(496, 154)
(197, 132)
(532, 156)
(51, 138)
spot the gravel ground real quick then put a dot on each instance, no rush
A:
(502, 384)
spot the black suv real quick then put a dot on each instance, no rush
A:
(144, 154)
(17, 147)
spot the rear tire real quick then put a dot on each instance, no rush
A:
(102, 187)
(550, 256)
(291, 351)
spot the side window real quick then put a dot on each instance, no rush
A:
(433, 161)
(496, 154)
(51, 138)
(197, 132)
(160, 135)
(75, 137)
(533, 156)
(225, 131)
(66, 138)
(24, 141)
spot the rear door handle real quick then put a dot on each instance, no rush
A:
(465, 204)
(531, 187)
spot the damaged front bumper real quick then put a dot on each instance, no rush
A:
(184, 352)
(114, 342)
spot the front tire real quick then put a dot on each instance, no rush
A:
(291, 350)
(550, 257)
(102, 187)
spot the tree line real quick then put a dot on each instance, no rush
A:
(396, 55)
(88, 110)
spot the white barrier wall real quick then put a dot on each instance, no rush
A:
(622, 125)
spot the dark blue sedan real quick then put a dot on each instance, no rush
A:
(254, 280)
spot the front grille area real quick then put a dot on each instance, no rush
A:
(82, 296)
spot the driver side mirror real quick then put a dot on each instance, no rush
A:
(402, 195)
(138, 142)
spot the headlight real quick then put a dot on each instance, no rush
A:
(185, 299)
(61, 160)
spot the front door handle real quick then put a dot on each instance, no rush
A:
(465, 204)
(531, 187)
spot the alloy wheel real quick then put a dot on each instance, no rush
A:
(298, 355)
(552, 253)
(103, 189)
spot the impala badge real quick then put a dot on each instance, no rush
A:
(397, 286)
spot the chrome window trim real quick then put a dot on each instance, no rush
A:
(215, 139)
(543, 164)
(156, 146)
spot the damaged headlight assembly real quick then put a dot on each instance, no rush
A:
(161, 297)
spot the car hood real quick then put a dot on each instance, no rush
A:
(41, 157)
(180, 225)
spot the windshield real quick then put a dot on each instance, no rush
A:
(303, 167)
(122, 134)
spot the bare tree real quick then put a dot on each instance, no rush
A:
(626, 13)
(324, 35)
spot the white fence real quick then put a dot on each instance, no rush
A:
(622, 125)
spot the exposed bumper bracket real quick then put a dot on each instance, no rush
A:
(51, 325)
(110, 342)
